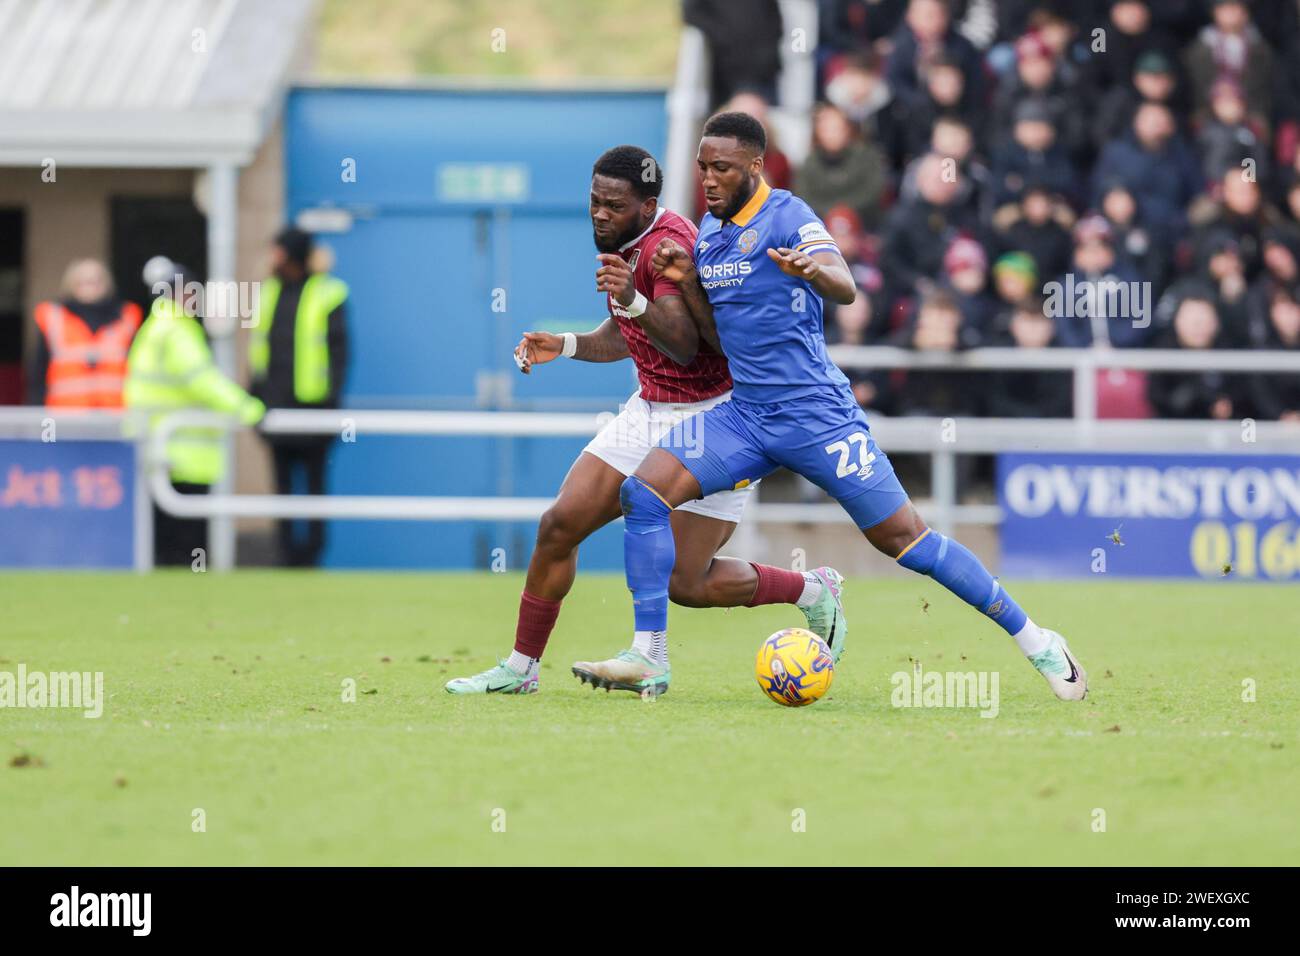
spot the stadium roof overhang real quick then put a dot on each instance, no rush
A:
(132, 138)
(149, 83)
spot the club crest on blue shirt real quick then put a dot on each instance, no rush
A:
(747, 241)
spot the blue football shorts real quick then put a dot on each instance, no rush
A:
(824, 437)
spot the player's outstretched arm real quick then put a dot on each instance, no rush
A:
(605, 343)
(665, 320)
(826, 271)
(675, 263)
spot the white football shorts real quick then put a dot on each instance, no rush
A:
(628, 437)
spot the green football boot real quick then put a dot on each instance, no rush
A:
(826, 614)
(494, 680)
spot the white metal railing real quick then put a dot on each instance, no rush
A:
(942, 439)
(1083, 363)
(688, 100)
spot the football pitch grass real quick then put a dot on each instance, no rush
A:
(225, 705)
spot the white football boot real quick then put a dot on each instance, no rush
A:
(1064, 674)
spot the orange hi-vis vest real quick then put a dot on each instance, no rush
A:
(87, 369)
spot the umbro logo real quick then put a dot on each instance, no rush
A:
(867, 469)
(703, 245)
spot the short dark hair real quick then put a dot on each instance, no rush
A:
(634, 166)
(741, 126)
(940, 300)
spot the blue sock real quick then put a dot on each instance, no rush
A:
(953, 566)
(648, 553)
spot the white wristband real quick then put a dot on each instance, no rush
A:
(638, 306)
(570, 347)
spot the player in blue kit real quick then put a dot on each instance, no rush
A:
(763, 262)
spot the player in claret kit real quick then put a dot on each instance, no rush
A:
(763, 261)
(679, 377)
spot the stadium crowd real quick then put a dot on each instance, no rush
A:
(968, 155)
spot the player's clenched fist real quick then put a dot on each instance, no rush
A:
(537, 348)
(615, 277)
(672, 261)
(794, 263)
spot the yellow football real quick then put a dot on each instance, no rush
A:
(794, 667)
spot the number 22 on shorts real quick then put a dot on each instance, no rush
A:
(845, 468)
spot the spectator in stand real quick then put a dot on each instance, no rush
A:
(842, 169)
(943, 93)
(1293, 201)
(1230, 48)
(854, 324)
(849, 25)
(1281, 270)
(1222, 267)
(1277, 396)
(1039, 225)
(1129, 33)
(1096, 317)
(966, 267)
(1227, 140)
(1208, 394)
(859, 249)
(857, 324)
(926, 36)
(1153, 162)
(951, 138)
(1023, 393)
(744, 40)
(1242, 213)
(1135, 244)
(1033, 155)
(936, 326)
(859, 89)
(1284, 182)
(1037, 77)
(1061, 34)
(1015, 278)
(1155, 80)
(919, 229)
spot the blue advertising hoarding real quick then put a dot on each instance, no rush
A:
(1134, 515)
(66, 504)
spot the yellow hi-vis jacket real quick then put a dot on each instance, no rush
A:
(321, 295)
(170, 368)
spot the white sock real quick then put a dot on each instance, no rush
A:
(652, 645)
(1032, 639)
(812, 590)
(522, 664)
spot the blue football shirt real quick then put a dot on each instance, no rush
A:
(769, 323)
